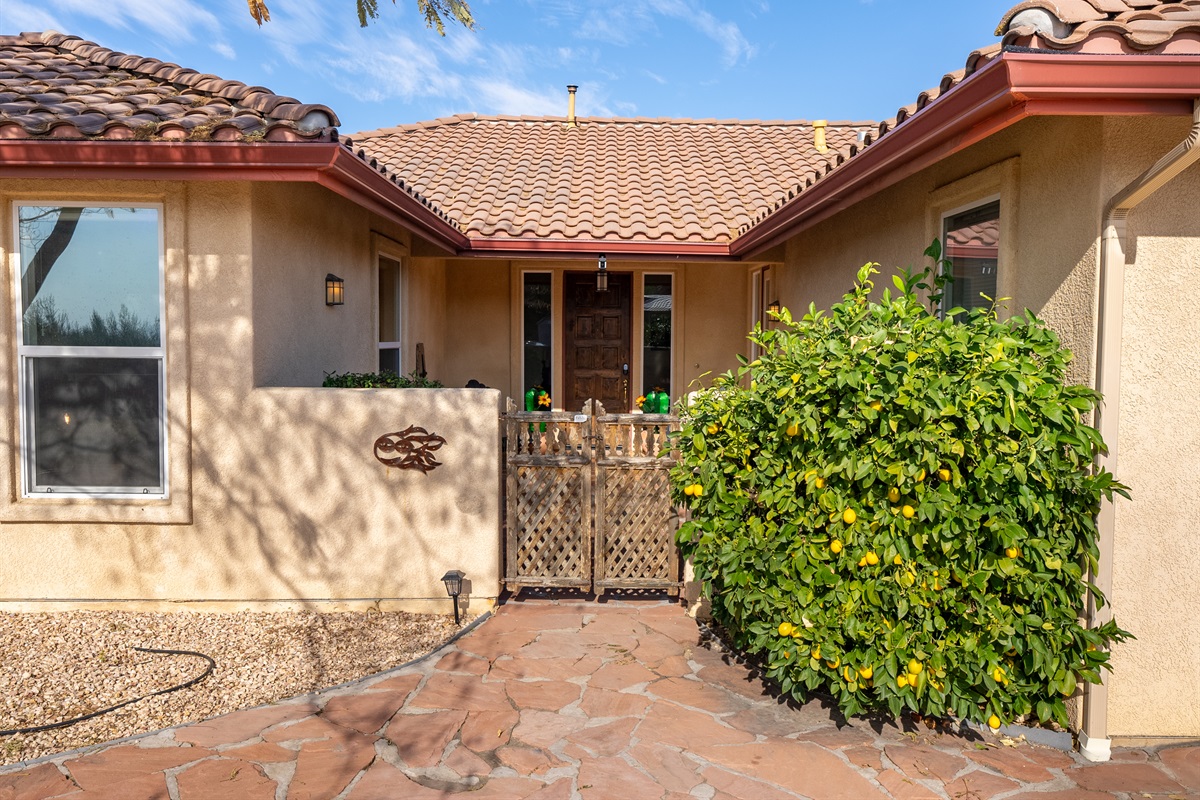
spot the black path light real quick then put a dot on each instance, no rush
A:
(454, 580)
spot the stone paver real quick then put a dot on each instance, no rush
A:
(575, 700)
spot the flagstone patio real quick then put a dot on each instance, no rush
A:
(563, 700)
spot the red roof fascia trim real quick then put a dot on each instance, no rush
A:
(325, 163)
(355, 180)
(550, 248)
(1007, 90)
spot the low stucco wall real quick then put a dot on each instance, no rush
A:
(290, 504)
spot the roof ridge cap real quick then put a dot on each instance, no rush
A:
(458, 119)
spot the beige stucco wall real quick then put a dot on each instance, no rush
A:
(275, 492)
(1054, 177)
(477, 334)
(1046, 172)
(1156, 585)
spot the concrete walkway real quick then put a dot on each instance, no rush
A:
(589, 701)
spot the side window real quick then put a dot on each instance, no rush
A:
(90, 349)
(537, 330)
(390, 316)
(972, 246)
(656, 333)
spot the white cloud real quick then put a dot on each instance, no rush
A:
(16, 15)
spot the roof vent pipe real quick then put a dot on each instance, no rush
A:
(571, 89)
(819, 135)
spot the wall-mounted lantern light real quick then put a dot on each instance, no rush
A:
(773, 307)
(335, 290)
(602, 274)
(454, 580)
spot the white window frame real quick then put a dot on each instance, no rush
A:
(25, 354)
(945, 305)
(642, 348)
(402, 318)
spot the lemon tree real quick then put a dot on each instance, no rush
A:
(897, 507)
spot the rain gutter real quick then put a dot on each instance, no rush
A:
(1094, 742)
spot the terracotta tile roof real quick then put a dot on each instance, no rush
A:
(673, 180)
(1104, 26)
(54, 86)
(1143, 27)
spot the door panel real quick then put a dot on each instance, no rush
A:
(598, 326)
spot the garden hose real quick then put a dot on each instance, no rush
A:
(66, 723)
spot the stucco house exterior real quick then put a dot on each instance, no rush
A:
(1058, 165)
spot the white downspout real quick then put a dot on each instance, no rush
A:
(1094, 743)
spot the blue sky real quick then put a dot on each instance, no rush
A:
(748, 59)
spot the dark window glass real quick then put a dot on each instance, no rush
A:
(972, 242)
(538, 331)
(95, 423)
(89, 276)
(656, 333)
(389, 360)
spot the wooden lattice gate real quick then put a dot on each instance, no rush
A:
(588, 501)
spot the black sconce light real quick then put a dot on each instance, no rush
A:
(454, 580)
(773, 307)
(602, 274)
(335, 290)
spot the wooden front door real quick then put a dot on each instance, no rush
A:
(597, 328)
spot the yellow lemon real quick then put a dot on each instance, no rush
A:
(819, 482)
(697, 490)
(866, 673)
(795, 377)
(876, 405)
(837, 662)
(690, 489)
(920, 476)
(897, 560)
(872, 558)
(998, 675)
(786, 628)
(944, 474)
(908, 511)
(915, 667)
(835, 546)
(994, 722)
(1012, 552)
(849, 517)
(902, 681)
(712, 428)
(862, 562)
(894, 495)
(816, 651)
(848, 674)
(793, 429)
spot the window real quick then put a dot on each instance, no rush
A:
(537, 330)
(390, 330)
(90, 347)
(656, 333)
(972, 244)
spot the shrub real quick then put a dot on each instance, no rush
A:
(379, 380)
(900, 509)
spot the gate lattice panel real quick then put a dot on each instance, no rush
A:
(589, 501)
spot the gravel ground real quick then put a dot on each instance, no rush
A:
(54, 667)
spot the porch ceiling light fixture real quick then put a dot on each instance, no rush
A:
(335, 290)
(602, 274)
(773, 307)
(454, 580)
